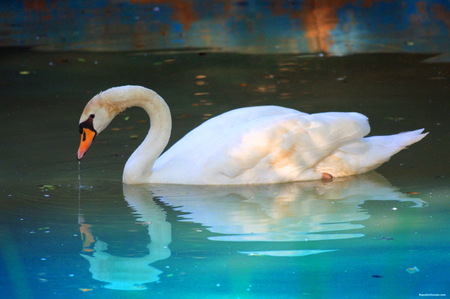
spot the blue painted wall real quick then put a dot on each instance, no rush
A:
(336, 27)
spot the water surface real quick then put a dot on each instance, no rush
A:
(383, 234)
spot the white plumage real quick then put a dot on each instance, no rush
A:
(254, 145)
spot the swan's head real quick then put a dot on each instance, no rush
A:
(96, 116)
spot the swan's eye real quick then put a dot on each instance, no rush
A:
(88, 124)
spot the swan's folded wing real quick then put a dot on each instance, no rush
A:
(284, 147)
(218, 134)
(258, 145)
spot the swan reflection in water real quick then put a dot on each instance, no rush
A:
(130, 272)
(294, 212)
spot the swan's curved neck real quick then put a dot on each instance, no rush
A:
(138, 168)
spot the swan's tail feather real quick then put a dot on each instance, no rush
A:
(405, 138)
(368, 153)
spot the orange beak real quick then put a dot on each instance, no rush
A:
(87, 136)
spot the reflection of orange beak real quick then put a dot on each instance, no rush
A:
(87, 136)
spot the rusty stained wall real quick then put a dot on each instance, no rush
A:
(305, 26)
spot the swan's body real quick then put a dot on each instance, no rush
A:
(255, 145)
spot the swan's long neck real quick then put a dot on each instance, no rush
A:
(138, 168)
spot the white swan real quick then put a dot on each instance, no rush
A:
(255, 145)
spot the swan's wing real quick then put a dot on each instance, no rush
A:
(266, 145)
(286, 148)
(229, 124)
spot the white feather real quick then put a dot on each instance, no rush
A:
(255, 145)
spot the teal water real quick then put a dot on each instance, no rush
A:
(70, 233)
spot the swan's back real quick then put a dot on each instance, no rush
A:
(255, 145)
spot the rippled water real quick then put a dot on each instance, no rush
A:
(381, 234)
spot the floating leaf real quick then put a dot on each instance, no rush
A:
(412, 193)
(200, 77)
(286, 69)
(85, 290)
(46, 187)
(24, 72)
(412, 270)
(134, 137)
(126, 118)
(266, 88)
(81, 59)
